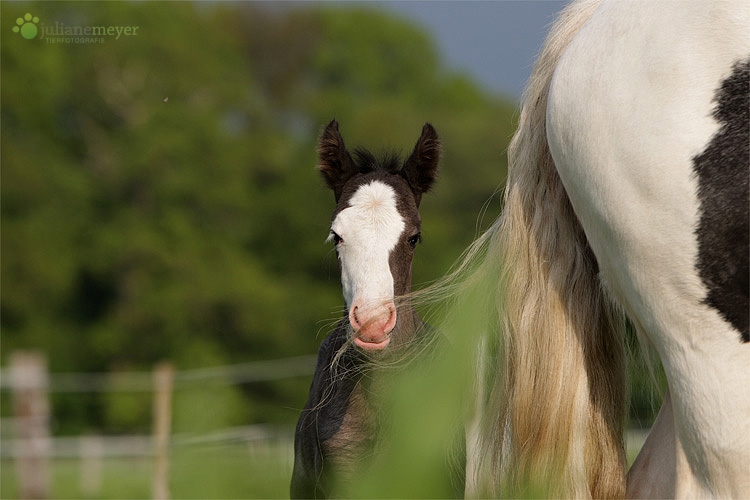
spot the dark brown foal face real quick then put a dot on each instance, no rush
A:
(376, 227)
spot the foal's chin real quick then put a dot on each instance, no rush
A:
(374, 335)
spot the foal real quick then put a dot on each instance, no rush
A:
(375, 229)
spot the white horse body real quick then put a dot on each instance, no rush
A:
(630, 106)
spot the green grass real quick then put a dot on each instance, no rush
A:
(231, 471)
(236, 471)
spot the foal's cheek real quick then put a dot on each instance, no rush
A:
(400, 262)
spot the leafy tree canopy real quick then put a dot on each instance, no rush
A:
(159, 196)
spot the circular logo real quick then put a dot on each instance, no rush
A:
(26, 26)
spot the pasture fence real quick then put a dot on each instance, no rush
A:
(34, 450)
(32, 446)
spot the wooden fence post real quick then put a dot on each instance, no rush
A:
(29, 380)
(163, 382)
(91, 450)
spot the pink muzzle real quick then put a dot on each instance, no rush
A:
(372, 327)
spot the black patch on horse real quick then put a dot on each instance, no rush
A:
(723, 172)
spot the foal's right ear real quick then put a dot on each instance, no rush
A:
(334, 161)
(421, 168)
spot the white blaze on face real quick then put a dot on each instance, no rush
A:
(370, 228)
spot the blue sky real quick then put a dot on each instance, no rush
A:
(494, 41)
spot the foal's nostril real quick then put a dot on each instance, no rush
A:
(391, 323)
(353, 319)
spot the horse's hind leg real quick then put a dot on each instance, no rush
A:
(653, 474)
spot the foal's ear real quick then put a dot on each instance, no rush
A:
(422, 166)
(334, 161)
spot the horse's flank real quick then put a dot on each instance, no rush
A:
(577, 253)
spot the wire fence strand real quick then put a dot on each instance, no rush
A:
(243, 373)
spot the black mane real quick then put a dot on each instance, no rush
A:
(366, 162)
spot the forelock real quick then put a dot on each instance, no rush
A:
(367, 162)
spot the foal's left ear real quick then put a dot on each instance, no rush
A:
(422, 166)
(334, 161)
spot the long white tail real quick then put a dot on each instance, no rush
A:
(557, 405)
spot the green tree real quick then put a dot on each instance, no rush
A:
(159, 196)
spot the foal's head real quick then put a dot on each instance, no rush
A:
(376, 226)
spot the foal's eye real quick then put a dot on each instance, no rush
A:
(336, 238)
(415, 239)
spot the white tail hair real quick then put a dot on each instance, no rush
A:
(550, 411)
(556, 404)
